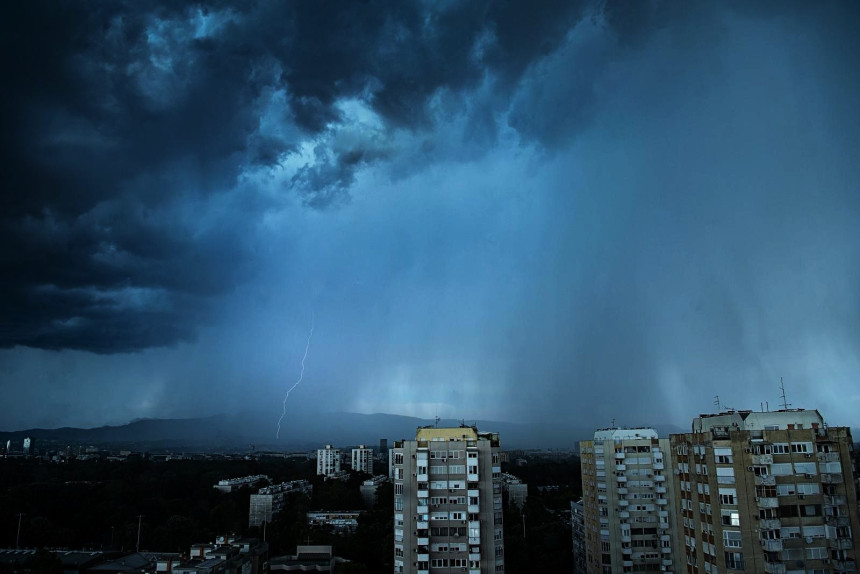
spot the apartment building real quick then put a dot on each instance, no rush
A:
(765, 492)
(362, 459)
(448, 502)
(626, 502)
(328, 461)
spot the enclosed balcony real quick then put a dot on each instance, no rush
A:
(772, 545)
(769, 524)
(840, 543)
(765, 480)
(774, 567)
(767, 502)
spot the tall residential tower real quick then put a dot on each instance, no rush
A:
(626, 499)
(766, 492)
(448, 502)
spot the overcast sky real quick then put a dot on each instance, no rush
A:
(521, 211)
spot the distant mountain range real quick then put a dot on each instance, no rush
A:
(302, 431)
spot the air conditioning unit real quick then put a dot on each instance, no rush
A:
(749, 469)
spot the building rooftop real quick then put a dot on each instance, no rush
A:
(625, 434)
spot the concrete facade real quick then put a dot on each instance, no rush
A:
(766, 492)
(448, 502)
(626, 502)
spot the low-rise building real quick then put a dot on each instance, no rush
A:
(231, 484)
(270, 500)
(368, 489)
(306, 559)
(340, 521)
(516, 490)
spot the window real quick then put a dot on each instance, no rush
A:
(734, 560)
(728, 496)
(732, 538)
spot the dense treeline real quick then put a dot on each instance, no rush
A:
(89, 504)
(95, 505)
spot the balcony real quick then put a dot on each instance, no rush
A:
(765, 480)
(620, 467)
(627, 551)
(422, 525)
(845, 565)
(621, 479)
(623, 503)
(474, 508)
(619, 456)
(840, 543)
(762, 459)
(835, 500)
(474, 492)
(423, 493)
(659, 478)
(474, 556)
(423, 557)
(626, 538)
(474, 540)
(623, 514)
(774, 567)
(666, 549)
(772, 545)
(837, 521)
(831, 478)
(769, 524)
(421, 477)
(660, 490)
(767, 502)
(662, 502)
(422, 509)
(658, 466)
(472, 477)
(666, 562)
(621, 490)
(423, 542)
(828, 456)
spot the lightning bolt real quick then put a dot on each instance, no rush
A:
(301, 375)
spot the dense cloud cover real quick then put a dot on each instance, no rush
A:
(493, 209)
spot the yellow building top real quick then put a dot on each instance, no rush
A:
(452, 433)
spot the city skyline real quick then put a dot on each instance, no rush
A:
(485, 211)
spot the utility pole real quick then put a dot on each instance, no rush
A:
(18, 537)
(139, 519)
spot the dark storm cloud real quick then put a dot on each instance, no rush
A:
(123, 124)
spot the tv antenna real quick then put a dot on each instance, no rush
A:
(717, 403)
(785, 403)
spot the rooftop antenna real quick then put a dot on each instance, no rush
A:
(613, 423)
(785, 403)
(436, 424)
(717, 403)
